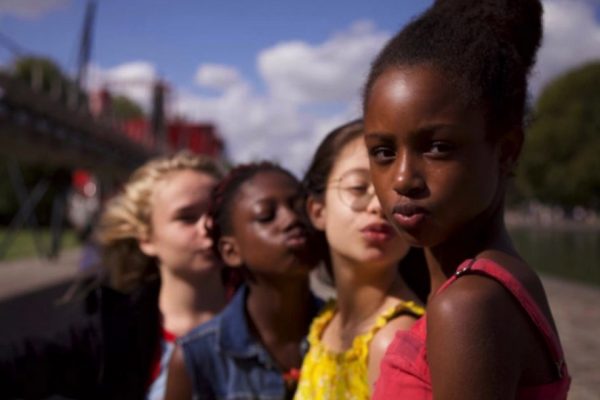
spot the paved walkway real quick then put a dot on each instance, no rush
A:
(23, 276)
(576, 309)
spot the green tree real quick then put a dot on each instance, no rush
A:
(45, 75)
(125, 108)
(561, 158)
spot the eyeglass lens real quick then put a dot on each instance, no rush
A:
(356, 189)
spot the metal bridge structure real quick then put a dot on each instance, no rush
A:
(55, 129)
(37, 128)
(47, 120)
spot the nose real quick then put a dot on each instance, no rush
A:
(289, 217)
(374, 206)
(409, 181)
(203, 226)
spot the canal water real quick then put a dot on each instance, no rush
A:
(567, 253)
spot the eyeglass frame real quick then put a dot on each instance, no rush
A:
(367, 197)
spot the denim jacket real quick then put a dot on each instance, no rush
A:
(226, 361)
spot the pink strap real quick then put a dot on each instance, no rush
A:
(491, 269)
(466, 265)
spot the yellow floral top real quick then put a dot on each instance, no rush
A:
(328, 375)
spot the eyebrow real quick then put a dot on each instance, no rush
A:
(425, 128)
(353, 170)
(184, 208)
(357, 169)
(270, 198)
(378, 135)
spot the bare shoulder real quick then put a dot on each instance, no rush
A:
(477, 329)
(471, 300)
(477, 321)
(382, 340)
(385, 335)
(516, 266)
(525, 275)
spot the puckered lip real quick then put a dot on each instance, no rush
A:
(378, 233)
(296, 237)
(379, 227)
(409, 217)
(408, 210)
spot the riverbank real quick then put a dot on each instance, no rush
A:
(537, 215)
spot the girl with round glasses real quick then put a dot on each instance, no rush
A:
(348, 339)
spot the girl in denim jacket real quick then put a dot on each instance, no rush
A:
(253, 349)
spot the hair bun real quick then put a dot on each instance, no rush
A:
(518, 23)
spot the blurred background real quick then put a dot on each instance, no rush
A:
(91, 89)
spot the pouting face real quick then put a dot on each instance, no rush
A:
(178, 236)
(269, 234)
(351, 216)
(433, 169)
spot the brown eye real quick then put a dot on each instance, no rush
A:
(382, 154)
(440, 149)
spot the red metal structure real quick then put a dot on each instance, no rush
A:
(199, 138)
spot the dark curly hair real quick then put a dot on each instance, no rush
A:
(485, 48)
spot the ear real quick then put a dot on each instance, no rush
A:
(230, 251)
(147, 246)
(316, 212)
(510, 149)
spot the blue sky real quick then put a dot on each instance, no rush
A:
(274, 76)
(177, 36)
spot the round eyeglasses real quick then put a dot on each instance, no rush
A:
(355, 189)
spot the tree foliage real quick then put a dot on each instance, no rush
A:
(560, 164)
(45, 75)
(125, 108)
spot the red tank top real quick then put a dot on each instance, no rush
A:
(404, 369)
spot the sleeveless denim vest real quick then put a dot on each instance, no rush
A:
(225, 361)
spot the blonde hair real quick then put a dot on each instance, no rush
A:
(127, 217)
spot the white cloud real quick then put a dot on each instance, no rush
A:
(278, 124)
(30, 8)
(254, 126)
(133, 79)
(331, 71)
(571, 37)
(217, 76)
(312, 88)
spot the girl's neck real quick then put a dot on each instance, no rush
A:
(279, 310)
(483, 233)
(362, 291)
(185, 303)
